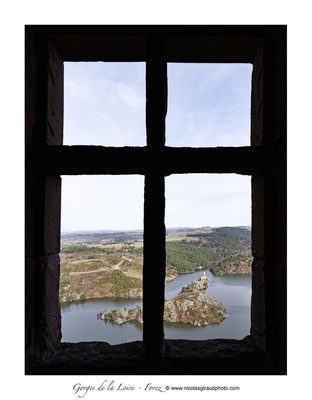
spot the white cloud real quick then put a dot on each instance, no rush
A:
(105, 104)
(116, 202)
(196, 200)
(208, 106)
(102, 202)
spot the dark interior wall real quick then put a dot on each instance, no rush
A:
(268, 129)
(44, 126)
(258, 288)
(275, 196)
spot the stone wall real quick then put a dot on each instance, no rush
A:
(44, 126)
(269, 193)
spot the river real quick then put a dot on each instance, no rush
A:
(80, 323)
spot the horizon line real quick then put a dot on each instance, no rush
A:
(142, 230)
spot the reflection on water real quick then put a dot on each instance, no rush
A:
(80, 323)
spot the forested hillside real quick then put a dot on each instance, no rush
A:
(223, 250)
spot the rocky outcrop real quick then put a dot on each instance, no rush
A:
(122, 315)
(193, 306)
(190, 306)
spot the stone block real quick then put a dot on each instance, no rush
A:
(257, 212)
(258, 328)
(55, 88)
(49, 270)
(43, 318)
(30, 267)
(31, 88)
(257, 100)
(30, 211)
(277, 298)
(280, 87)
(279, 214)
(52, 215)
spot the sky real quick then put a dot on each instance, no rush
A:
(208, 105)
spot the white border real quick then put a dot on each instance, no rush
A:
(14, 16)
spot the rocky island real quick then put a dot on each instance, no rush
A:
(190, 306)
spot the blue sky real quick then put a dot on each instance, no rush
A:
(104, 104)
(208, 105)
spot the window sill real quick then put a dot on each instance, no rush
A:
(182, 357)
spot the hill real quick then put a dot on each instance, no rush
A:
(223, 250)
(244, 233)
(110, 264)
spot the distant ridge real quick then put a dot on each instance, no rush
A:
(234, 231)
(100, 232)
(95, 237)
(229, 230)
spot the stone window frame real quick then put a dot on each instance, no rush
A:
(47, 47)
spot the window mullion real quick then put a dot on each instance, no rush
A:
(154, 266)
(156, 93)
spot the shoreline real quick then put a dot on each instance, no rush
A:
(168, 280)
